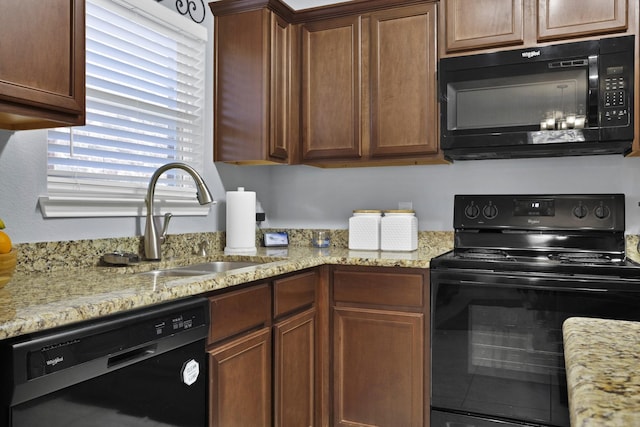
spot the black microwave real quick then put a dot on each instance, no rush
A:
(561, 100)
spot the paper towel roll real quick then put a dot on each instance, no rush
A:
(241, 222)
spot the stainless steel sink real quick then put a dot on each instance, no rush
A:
(219, 266)
(201, 269)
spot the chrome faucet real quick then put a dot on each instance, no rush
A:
(152, 241)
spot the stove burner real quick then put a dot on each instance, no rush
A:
(484, 254)
(583, 258)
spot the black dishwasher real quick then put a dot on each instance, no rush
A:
(145, 367)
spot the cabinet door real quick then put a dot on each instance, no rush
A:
(403, 82)
(235, 312)
(478, 24)
(240, 382)
(294, 293)
(378, 367)
(42, 64)
(251, 87)
(280, 88)
(294, 371)
(574, 18)
(331, 110)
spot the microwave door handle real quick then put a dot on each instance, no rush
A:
(592, 113)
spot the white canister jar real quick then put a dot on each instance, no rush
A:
(364, 230)
(399, 230)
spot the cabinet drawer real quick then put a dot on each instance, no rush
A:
(397, 289)
(239, 311)
(294, 292)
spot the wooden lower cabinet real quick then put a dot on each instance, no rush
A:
(380, 341)
(295, 370)
(326, 347)
(240, 382)
(378, 368)
(263, 366)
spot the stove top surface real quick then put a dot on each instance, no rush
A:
(574, 258)
(523, 261)
(563, 234)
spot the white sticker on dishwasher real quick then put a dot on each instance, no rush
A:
(190, 372)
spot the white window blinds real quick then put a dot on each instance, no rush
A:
(145, 88)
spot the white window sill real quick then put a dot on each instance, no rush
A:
(93, 207)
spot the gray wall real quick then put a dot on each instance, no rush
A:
(302, 196)
(307, 197)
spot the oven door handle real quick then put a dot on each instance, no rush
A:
(538, 287)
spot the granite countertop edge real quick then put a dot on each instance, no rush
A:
(33, 302)
(603, 381)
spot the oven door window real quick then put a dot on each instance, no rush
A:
(497, 345)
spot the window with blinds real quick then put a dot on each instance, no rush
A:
(145, 86)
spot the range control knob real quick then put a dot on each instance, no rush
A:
(580, 211)
(602, 212)
(472, 211)
(490, 211)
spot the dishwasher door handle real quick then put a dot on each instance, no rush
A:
(132, 355)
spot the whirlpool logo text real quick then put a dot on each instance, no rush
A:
(530, 54)
(55, 361)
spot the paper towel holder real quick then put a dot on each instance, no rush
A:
(241, 223)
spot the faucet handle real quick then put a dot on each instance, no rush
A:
(165, 226)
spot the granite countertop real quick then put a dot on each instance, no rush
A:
(602, 358)
(34, 301)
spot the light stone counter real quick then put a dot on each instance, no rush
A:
(34, 301)
(602, 359)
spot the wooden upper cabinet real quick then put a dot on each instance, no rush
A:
(42, 65)
(574, 18)
(475, 25)
(280, 88)
(478, 24)
(348, 84)
(403, 82)
(251, 86)
(369, 93)
(331, 75)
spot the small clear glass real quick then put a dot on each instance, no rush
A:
(320, 239)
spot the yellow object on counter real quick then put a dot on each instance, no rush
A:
(7, 266)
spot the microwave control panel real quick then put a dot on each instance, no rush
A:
(615, 85)
(616, 97)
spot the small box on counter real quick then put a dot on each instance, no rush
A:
(399, 230)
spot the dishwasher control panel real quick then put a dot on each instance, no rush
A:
(118, 339)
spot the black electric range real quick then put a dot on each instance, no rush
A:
(521, 265)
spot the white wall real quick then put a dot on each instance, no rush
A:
(302, 196)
